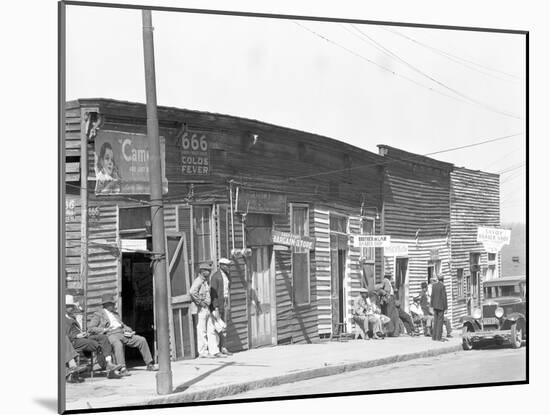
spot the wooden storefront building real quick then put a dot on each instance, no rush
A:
(236, 188)
(283, 204)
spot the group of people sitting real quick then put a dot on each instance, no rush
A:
(378, 314)
(105, 338)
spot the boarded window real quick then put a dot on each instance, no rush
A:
(300, 256)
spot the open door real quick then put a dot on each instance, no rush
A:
(182, 335)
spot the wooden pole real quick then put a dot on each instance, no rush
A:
(84, 214)
(164, 375)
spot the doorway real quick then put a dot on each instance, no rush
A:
(337, 273)
(261, 297)
(402, 282)
(137, 306)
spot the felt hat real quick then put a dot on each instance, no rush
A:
(224, 261)
(205, 265)
(416, 299)
(108, 299)
(363, 290)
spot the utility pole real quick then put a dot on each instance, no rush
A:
(164, 375)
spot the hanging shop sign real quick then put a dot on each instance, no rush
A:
(252, 201)
(132, 245)
(290, 239)
(121, 163)
(396, 250)
(370, 241)
(194, 154)
(493, 239)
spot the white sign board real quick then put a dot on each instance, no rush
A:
(396, 250)
(132, 245)
(290, 239)
(493, 239)
(371, 241)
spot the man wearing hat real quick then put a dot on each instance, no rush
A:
(207, 339)
(107, 321)
(220, 285)
(364, 314)
(439, 304)
(83, 341)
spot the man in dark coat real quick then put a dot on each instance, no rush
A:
(84, 341)
(439, 304)
(220, 284)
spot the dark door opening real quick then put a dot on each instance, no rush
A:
(137, 307)
(337, 270)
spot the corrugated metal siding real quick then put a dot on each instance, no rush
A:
(294, 324)
(322, 269)
(474, 202)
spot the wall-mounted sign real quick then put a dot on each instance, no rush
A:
(252, 201)
(121, 163)
(70, 210)
(131, 245)
(290, 239)
(195, 155)
(396, 250)
(93, 214)
(370, 241)
(493, 239)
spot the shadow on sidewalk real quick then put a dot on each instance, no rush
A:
(184, 386)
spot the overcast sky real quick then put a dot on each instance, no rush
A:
(422, 90)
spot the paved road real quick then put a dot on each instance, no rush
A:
(476, 366)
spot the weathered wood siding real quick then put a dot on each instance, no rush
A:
(353, 272)
(322, 269)
(295, 324)
(73, 244)
(475, 202)
(419, 257)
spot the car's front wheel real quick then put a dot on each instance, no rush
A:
(466, 342)
(517, 335)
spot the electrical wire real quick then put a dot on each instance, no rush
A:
(431, 78)
(512, 168)
(455, 58)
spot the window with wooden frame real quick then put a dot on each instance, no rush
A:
(367, 228)
(299, 225)
(196, 222)
(460, 283)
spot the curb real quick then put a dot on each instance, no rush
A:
(240, 387)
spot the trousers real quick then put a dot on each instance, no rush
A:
(371, 321)
(437, 333)
(119, 340)
(97, 343)
(207, 338)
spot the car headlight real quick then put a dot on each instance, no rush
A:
(499, 312)
(477, 313)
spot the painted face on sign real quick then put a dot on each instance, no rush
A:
(107, 161)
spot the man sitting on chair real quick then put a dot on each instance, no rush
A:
(364, 315)
(93, 343)
(107, 321)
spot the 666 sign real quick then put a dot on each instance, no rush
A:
(195, 157)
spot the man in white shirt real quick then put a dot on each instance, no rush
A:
(220, 289)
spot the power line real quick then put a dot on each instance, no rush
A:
(431, 78)
(455, 58)
(503, 157)
(512, 168)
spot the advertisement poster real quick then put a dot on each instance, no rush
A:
(121, 163)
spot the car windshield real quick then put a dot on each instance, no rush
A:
(503, 291)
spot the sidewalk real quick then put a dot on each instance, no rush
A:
(209, 379)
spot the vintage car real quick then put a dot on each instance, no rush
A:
(501, 319)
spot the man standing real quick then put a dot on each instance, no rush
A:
(220, 285)
(93, 343)
(439, 305)
(107, 321)
(207, 338)
(426, 309)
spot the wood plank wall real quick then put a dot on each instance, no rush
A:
(322, 269)
(73, 245)
(475, 201)
(294, 324)
(353, 272)
(419, 256)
